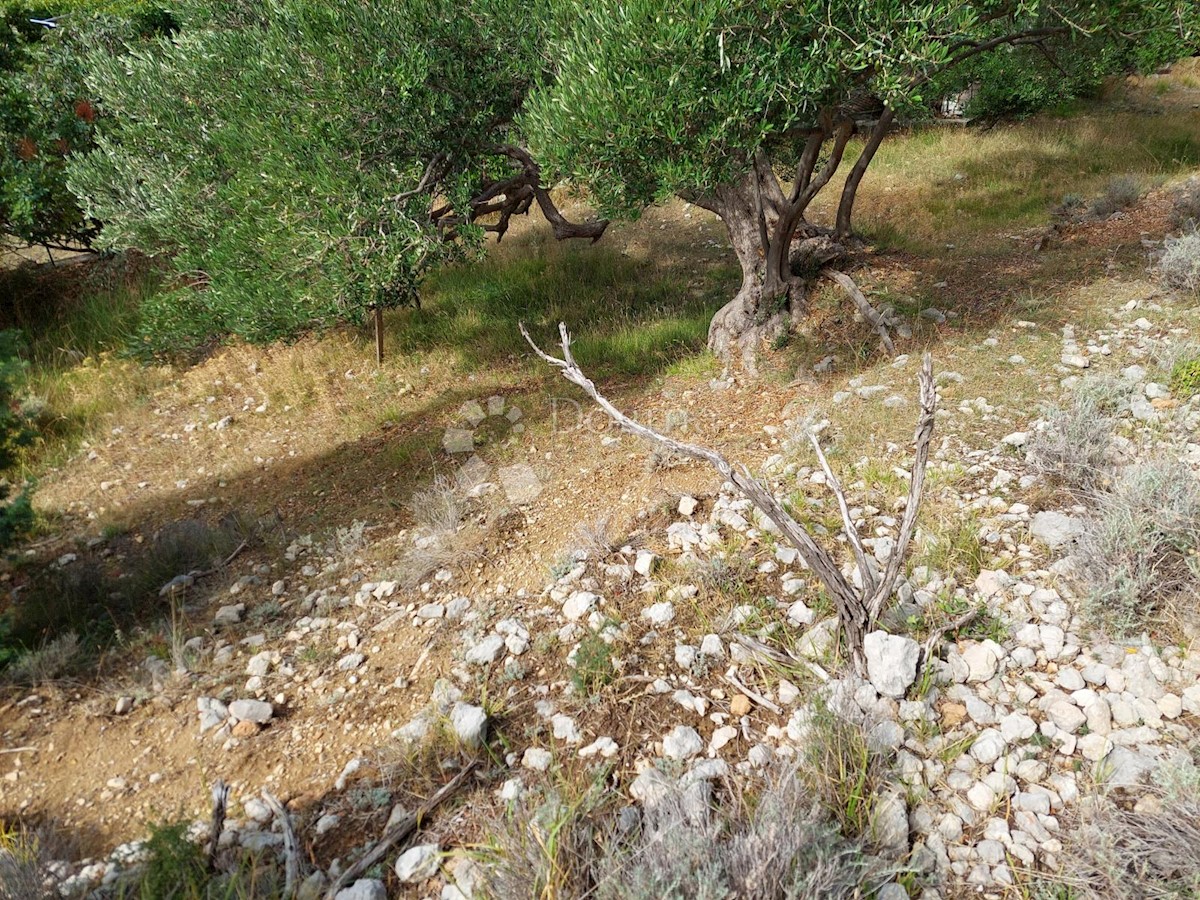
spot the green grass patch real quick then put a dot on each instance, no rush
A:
(628, 318)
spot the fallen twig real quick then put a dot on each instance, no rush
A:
(957, 625)
(756, 697)
(846, 283)
(220, 795)
(400, 830)
(291, 847)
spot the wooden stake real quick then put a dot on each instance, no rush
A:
(379, 335)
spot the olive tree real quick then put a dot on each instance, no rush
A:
(713, 101)
(302, 162)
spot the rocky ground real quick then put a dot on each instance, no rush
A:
(694, 650)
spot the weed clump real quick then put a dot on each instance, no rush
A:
(1180, 263)
(593, 664)
(767, 843)
(1138, 552)
(1120, 192)
(1185, 210)
(1185, 378)
(52, 661)
(1072, 448)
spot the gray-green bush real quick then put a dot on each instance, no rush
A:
(1072, 448)
(1138, 552)
(1180, 264)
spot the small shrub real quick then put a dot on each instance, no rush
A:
(175, 866)
(1123, 854)
(842, 772)
(1185, 377)
(1071, 210)
(593, 664)
(956, 549)
(728, 574)
(22, 865)
(769, 842)
(1180, 263)
(595, 538)
(768, 845)
(1138, 552)
(436, 507)
(1072, 449)
(1119, 193)
(50, 662)
(545, 846)
(1185, 210)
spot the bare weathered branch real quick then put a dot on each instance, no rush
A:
(916, 486)
(857, 610)
(831, 481)
(291, 846)
(846, 283)
(813, 554)
(400, 831)
(220, 797)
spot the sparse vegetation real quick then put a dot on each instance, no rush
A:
(767, 842)
(1137, 557)
(85, 603)
(1185, 208)
(1185, 376)
(1180, 264)
(954, 547)
(1121, 192)
(593, 664)
(1116, 853)
(1072, 447)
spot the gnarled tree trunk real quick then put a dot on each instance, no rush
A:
(762, 308)
(763, 224)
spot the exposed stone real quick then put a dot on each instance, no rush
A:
(256, 711)
(469, 724)
(419, 863)
(682, 742)
(1054, 529)
(891, 662)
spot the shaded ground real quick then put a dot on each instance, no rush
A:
(340, 440)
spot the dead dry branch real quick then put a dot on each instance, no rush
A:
(858, 609)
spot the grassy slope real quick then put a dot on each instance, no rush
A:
(126, 447)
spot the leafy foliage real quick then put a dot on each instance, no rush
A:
(652, 98)
(274, 149)
(46, 112)
(16, 516)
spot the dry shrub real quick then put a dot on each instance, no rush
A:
(595, 538)
(1121, 854)
(22, 865)
(436, 507)
(51, 662)
(1180, 263)
(769, 842)
(1072, 448)
(1119, 193)
(1138, 552)
(1185, 209)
